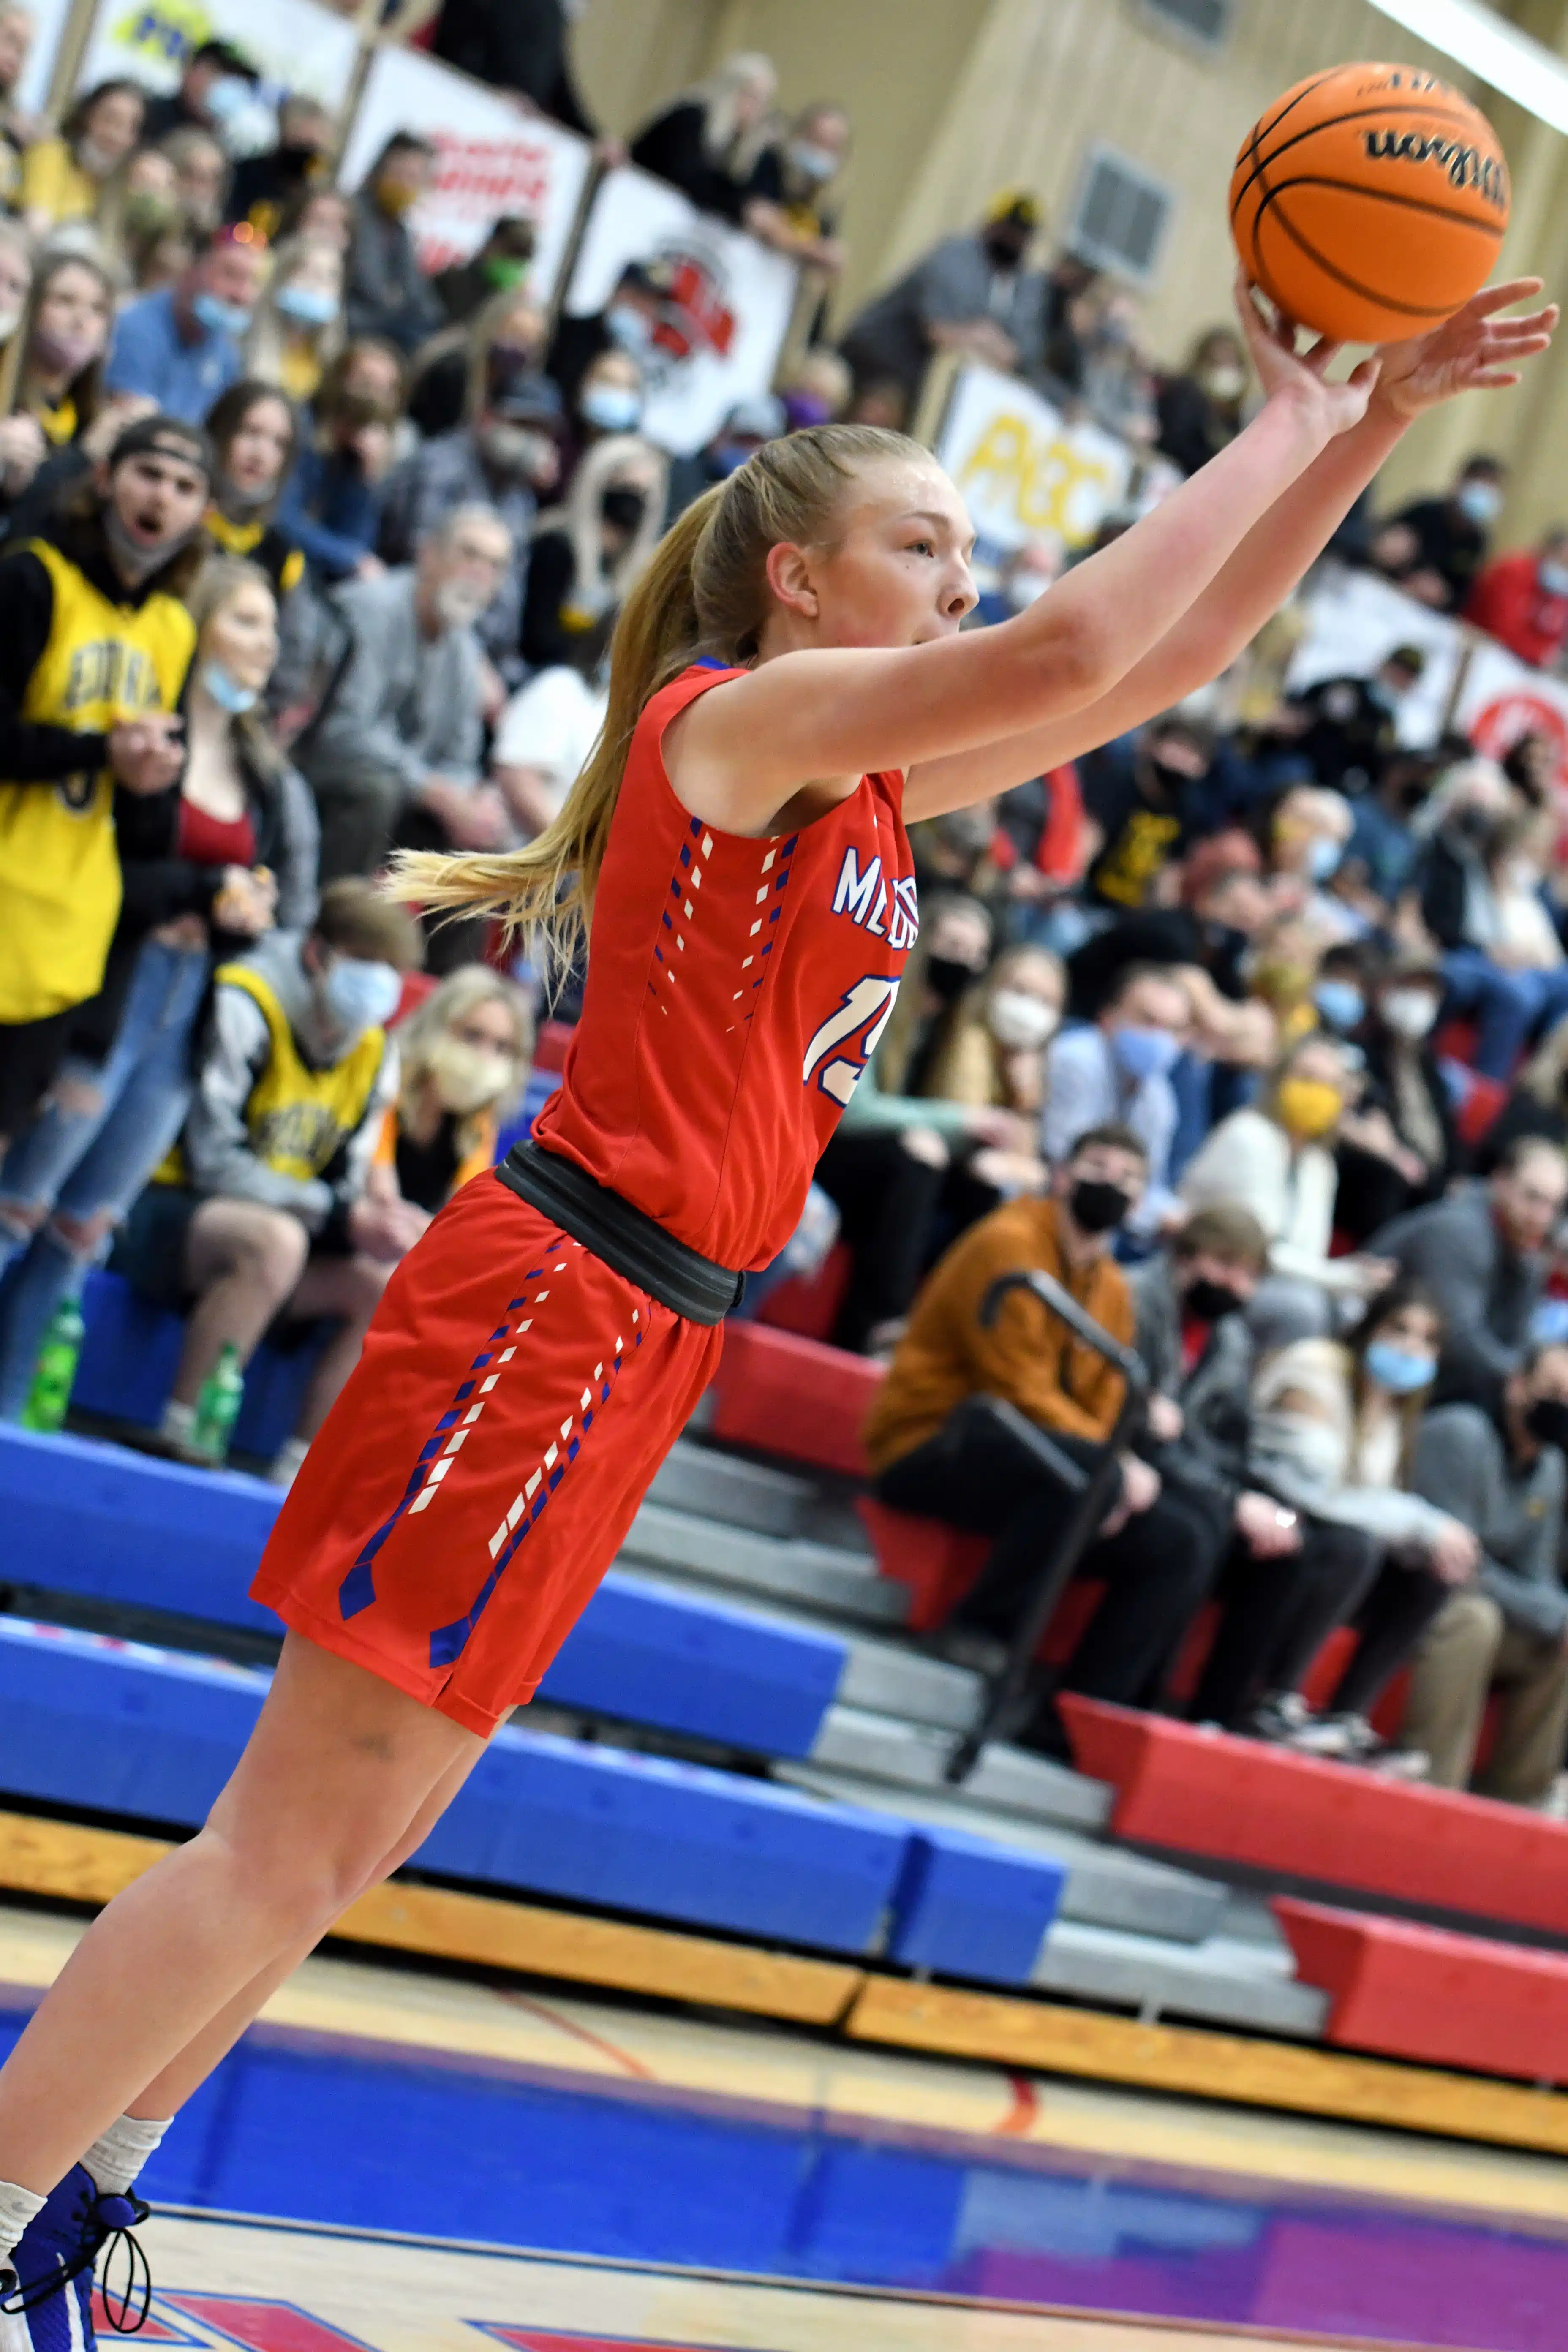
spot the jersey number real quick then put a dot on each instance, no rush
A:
(865, 1009)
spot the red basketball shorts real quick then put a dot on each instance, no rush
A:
(485, 1460)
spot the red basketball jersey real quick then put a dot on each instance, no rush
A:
(736, 990)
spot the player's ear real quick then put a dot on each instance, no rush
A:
(788, 572)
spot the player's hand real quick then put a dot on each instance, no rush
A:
(1285, 373)
(1474, 351)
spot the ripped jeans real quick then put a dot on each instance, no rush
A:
(69, 1177)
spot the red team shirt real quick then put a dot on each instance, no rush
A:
(441, 1531)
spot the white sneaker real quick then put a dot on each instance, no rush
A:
(286, 1461)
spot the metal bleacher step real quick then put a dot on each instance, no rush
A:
(823, 1578)
(1225, 1980)
(915, 1756)
(740, 1494)
(1106, 1888)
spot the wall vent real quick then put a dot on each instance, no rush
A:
(1205, 24)
(1120, 215)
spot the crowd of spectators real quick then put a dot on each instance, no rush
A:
(1252, 1029)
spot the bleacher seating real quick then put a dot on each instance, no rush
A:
(792, 1397)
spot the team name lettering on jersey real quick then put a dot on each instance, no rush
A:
(109, 671)
(887, 909)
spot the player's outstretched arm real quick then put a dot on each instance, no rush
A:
(1477, 350)
(822, 716)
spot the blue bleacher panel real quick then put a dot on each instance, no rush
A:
(132, 1348)
(967, 1907)
(122, 1728)
(93, 1519)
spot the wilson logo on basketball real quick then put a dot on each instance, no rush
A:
(1466, 167)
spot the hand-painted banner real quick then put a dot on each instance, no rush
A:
(492, 158)
(727, 303)
(1354, 622)
(1024, 471)
(293, 44)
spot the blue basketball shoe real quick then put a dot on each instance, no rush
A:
(47, 2303)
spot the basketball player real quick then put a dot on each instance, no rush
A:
(789, 686)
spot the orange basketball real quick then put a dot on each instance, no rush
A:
(1370, 202)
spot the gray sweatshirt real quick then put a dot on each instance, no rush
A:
(237, 1046)
(1463, 1465)
(406, 708)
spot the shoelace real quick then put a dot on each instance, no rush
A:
(108, 2227)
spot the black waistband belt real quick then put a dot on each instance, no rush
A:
(629, 1242)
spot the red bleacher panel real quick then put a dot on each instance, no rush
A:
(1479, 1111)
(793, 1397)
(417, 987)
(550, 1045)
(1202, 1792)
(809, 1306)
(938, 1563)
(1425, 1994)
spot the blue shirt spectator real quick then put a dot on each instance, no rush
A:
(180, 346)
(1119, 1068)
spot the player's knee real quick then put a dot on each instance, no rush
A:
(270, 1247)
(20, 1220)
(83, 1237)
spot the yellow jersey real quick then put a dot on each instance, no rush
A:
(298, 1119)
(59, 867)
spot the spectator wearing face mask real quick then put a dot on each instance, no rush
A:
(1345, 729)
(1400, 1148)
(274, 1206)
(393, 753)
(970, 294)
(500, 266)
(1333, 1431)
(1497, 941)
(1307, 840)
(588, 552)
(1521, 600)
(1503, 1475)
(1147, 797)
(1275, 1159)
(707, 144)
(1339, 988)
(65, 179)
(608, 400)
(388, 293)
(506, 459)
(1023, 576)
(1117, 1069)
(788, 204)
(184, 346)
(297, 328)
(62, 419)
(630, 321)
(1385, 847)
(463, 1055)
(938, 1445)
(217, 81)
(1107, 374)
(1436, 549)
(748, 425)
(332, 505)
(458, 370)
(816, 389)
(1200, 410)
(266, 186)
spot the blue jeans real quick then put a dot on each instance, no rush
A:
(95, 1162)
(1508, 1006)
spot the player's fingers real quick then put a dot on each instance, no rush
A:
(1364, 377)
(1501, 298)
(1493, 379)
(1321, 356)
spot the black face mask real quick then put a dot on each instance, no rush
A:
(296, 161)
(1212, 1301)
(1004, 250)
(623, 507)
(1172, 780)
(1547, 1420)
(947, 978)
(1412, 796)
(1096, 1207)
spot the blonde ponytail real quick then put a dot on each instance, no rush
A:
(704, 592)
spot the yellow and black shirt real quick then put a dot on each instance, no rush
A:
(262, 543)
(78, 651)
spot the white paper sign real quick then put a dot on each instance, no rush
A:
(292, 44)
(1355, 620)
(1024, 472)
(491, 159)
(1503, 698)
(727, 309)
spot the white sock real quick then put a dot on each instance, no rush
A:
(179, 1422)
(17, 2208)
(116, 2160)
(286, 1459)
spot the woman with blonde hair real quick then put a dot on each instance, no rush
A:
(995, 1056)
(589, 553)
(67, 178)
(790, 683)
(297, 329)
(708, 142)
(463, 1056)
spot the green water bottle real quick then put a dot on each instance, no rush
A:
(217, 1406)
(51, 1390)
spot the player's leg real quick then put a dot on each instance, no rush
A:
(333, 1781)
